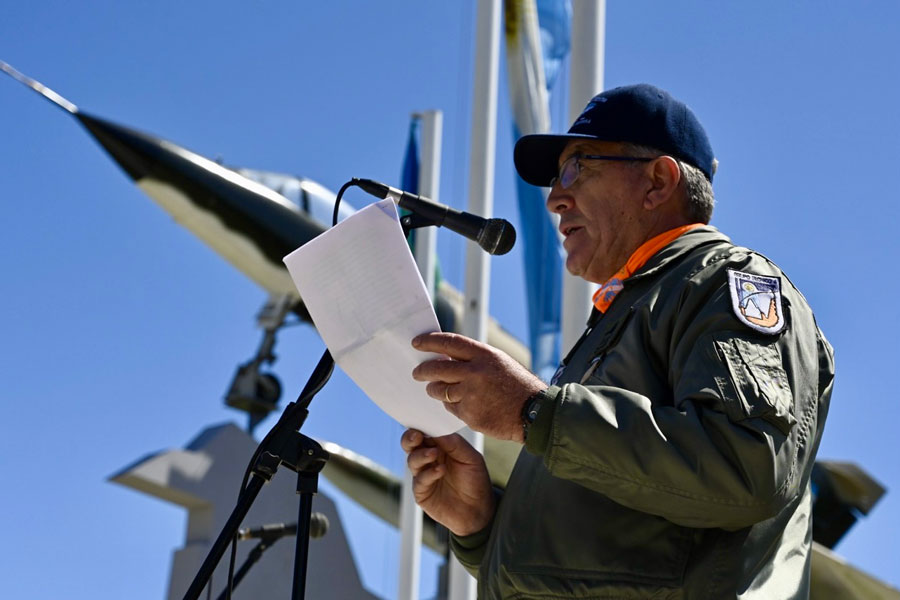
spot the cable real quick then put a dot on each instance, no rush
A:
(337, 201)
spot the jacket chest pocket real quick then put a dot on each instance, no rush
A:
(607, 340)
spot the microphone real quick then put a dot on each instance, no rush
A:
(495, 236)
(318, 526)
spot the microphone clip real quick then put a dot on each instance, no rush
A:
(415, 221)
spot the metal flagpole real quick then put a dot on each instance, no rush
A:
(461, 586)
(585, 81)
(425, 252)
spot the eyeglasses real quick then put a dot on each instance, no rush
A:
(571, 169)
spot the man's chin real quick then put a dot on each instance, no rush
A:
(578, 269)
(573, 267)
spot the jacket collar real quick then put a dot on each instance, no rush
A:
(683, 244)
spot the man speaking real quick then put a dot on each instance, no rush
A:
(670, 456)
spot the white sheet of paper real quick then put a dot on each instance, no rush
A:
(366, 298)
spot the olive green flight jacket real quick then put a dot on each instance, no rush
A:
(674, 458)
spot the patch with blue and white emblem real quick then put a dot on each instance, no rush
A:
(756, 301)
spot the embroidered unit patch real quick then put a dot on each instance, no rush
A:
(756, 301)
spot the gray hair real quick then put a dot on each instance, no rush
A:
(697, 188)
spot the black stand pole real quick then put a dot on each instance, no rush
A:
(307, 486)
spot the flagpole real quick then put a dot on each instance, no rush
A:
(461, 585)
(585, 81)
(425, 251)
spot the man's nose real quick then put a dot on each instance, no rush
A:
(559, 201)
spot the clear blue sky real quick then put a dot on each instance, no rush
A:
(120, 330)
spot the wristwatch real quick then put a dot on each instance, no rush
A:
(530, 410)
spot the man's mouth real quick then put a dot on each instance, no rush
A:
(568, 230)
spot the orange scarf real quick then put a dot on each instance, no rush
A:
(608, 291)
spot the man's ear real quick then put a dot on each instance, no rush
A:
(663, 177)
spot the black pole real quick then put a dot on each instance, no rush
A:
(307, 486)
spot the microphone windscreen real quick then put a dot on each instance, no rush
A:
(318, 525)
(497, 237)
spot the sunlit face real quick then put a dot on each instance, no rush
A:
(600, 213)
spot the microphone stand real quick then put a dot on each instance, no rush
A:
(285, 445)
(318, 528)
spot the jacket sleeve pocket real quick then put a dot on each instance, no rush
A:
(756, 384)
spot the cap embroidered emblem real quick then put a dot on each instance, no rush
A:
(584, 118)
(756, 301)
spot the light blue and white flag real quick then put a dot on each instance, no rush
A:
(537, 41)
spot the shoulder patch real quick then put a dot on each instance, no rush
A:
(756, 301)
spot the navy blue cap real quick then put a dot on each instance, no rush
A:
(639, 114)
